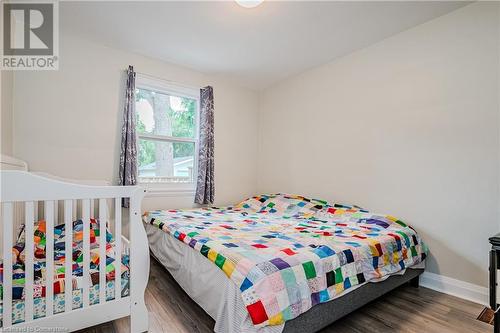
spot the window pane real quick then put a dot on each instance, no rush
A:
(163, 114)
(166, 161)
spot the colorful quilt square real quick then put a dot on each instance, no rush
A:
(309, 269)
(257, 313)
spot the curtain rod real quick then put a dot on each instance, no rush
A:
(166, 80)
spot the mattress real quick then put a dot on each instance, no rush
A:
(285, 253)
(77, 278)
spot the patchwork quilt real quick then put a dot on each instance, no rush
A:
(287, 253)
(18, 276)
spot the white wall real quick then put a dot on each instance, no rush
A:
(6, 83)
(68, 122)
(408, 126)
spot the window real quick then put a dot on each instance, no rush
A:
(167, 130)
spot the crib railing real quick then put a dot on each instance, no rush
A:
(23, 188)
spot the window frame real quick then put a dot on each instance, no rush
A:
(163, 188)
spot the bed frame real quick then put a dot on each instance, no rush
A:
(324, 314)
(30, 191)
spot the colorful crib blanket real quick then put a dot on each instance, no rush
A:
(287, 253)
(18, 255)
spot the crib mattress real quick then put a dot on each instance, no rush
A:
(18, 306)
(77, 277)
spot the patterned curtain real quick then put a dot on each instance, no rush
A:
(128, 152)
(205, 185)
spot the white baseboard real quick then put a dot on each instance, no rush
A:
(461, 289)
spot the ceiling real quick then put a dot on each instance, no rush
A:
(253, 47)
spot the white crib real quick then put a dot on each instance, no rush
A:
(31, 191)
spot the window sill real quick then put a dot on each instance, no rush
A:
(168, 190)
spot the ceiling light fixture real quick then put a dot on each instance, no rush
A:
(249, 3)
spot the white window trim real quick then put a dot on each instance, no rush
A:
(164, 189)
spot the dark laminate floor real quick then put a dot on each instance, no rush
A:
(405, 309)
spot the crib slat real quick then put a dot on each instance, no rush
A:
(102, 251)
(86, 251)
(68, 251)
(29, 221)
(7, 256)
(118, 248)
(49, 257)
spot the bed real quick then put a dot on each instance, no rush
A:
(283, 262)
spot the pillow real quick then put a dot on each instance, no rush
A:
(290, 205)
(253, 203)
(286, 205)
